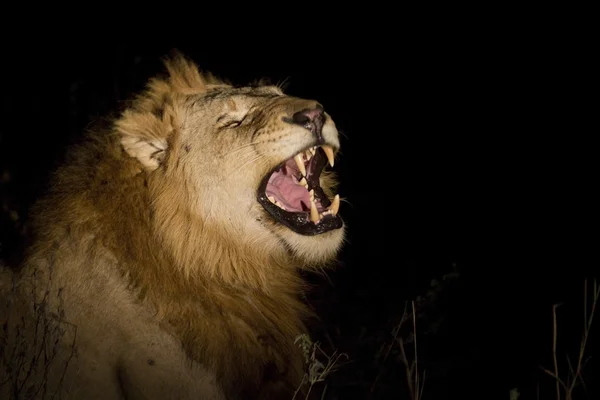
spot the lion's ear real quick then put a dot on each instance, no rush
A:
(144, 137)
(146, 127)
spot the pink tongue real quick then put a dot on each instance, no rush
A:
(287, 192)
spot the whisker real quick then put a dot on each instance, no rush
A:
(283, 84)
(245, 153)
(238, 148)
(242, 147)
(342, 133)
(243, 164)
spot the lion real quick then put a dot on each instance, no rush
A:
(169, 248)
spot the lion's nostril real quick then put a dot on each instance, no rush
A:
(308, 115)
(312, 119)
(301, 118)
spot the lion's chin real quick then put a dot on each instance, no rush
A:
(315, 250)
(292, 195)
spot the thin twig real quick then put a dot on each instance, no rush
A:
(409, 369)
(554, 335)
(551, 374)
(586, 333)
(574, 374)
(397, 330)
(416, 358)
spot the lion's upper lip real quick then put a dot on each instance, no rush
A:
(293, 195)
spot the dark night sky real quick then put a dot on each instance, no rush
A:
(462, 143)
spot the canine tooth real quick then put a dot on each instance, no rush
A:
(335, 205)
(300, 164)
(314, 213)
(303, 182)
(271, 199)
(278, 204)
(329, 153)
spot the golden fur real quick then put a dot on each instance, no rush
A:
(154, 263)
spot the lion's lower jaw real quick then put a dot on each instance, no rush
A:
(241, 252)
(315, 251)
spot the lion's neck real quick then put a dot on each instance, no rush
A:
(233, 285)
(252, 297)
(205, 283)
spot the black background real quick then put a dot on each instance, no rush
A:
(466, 146)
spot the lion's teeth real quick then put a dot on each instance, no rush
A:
(314, 213)
(312, 194)
(335, 205)
(300, 164)
(278, 204)
(329, 153)
(303, 183)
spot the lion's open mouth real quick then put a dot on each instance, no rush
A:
(293, 196)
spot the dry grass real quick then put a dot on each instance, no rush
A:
(317, 371)
(30, 347)
(414, 382)
(567, 382)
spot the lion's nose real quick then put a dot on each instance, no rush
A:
(311, 119)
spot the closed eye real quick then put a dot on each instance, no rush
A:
(232, 124)
(230, 121)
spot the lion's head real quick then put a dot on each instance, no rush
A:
(249, 164)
